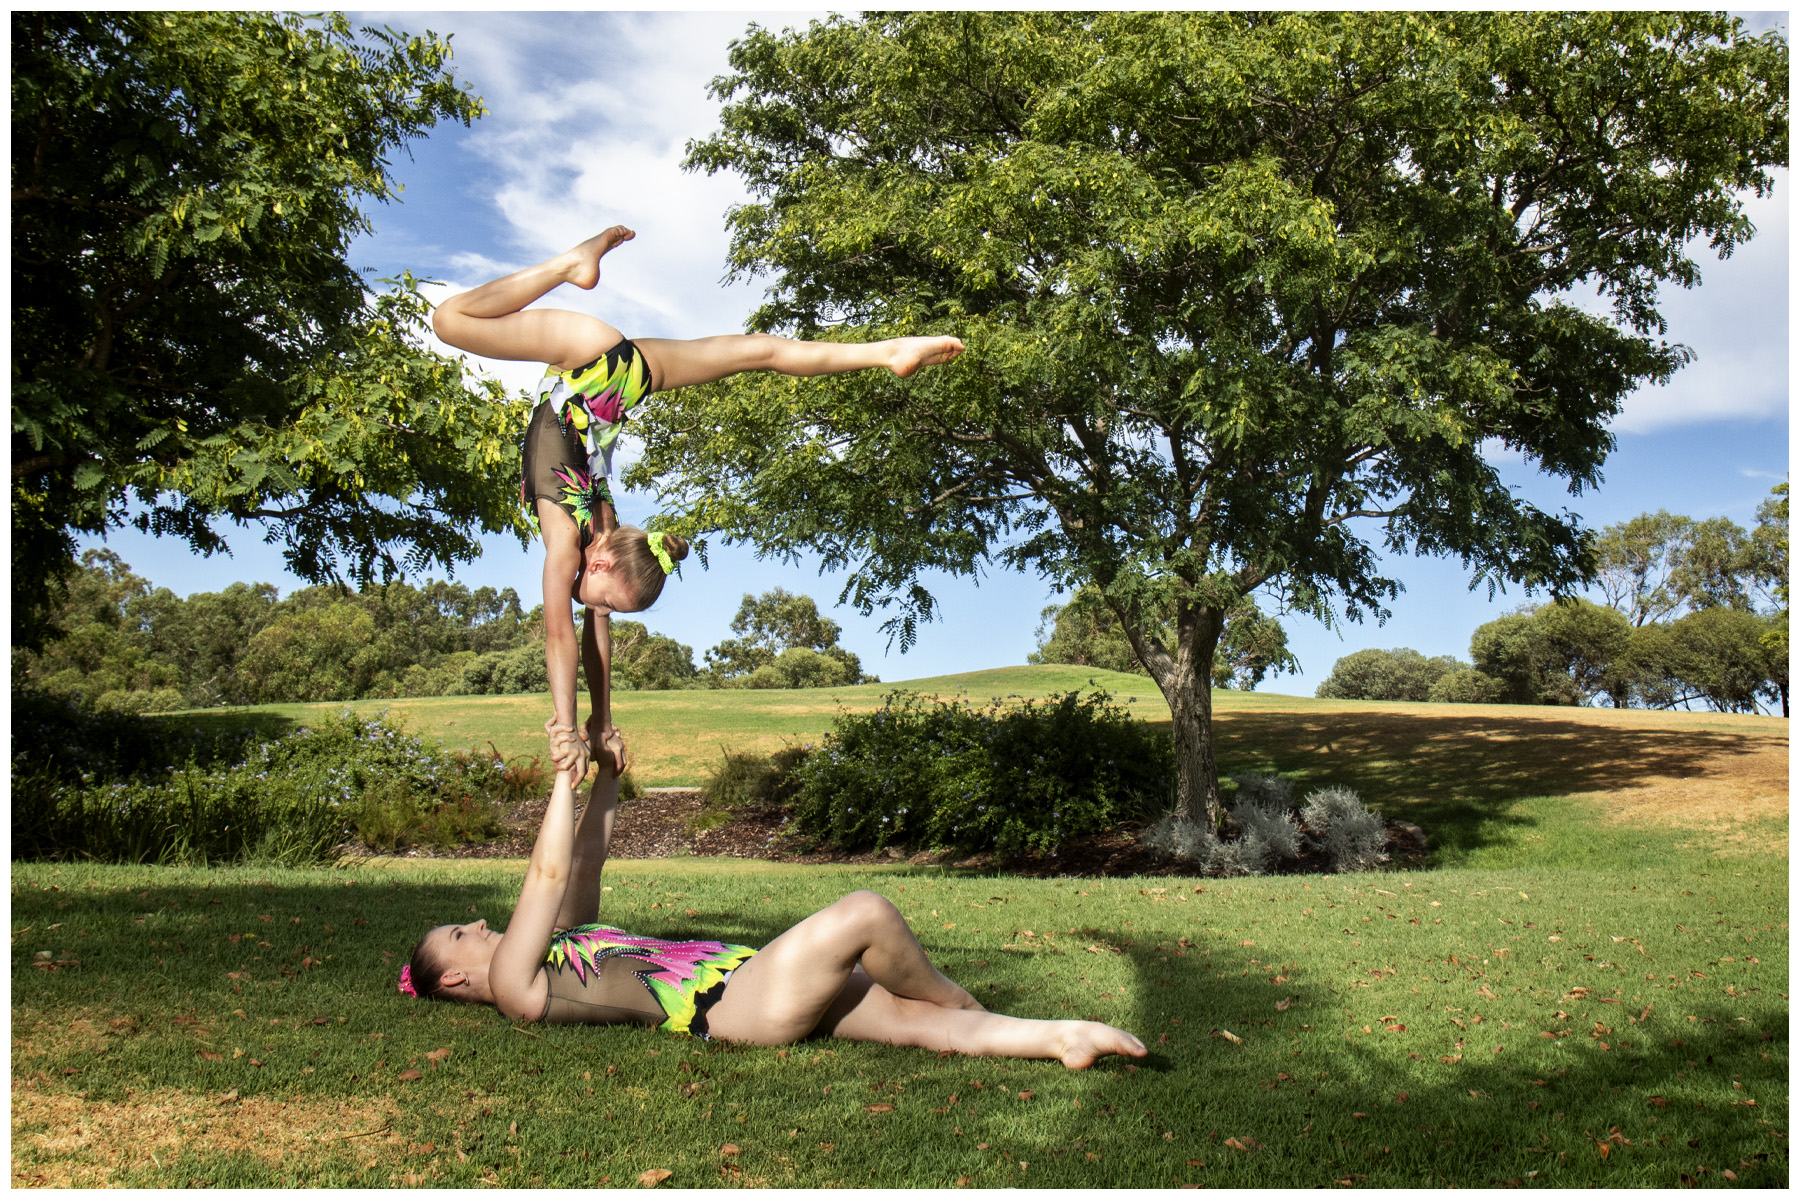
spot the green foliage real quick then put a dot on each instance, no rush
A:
(783, 642)
(1654, 566)
(300, 798)
(746, 780)
(1244, 295)
(1555, 654)
(1086, 632)
(1398, 674)
(187, 334)
(134, 649)
(998, 778)
(1465, 685)
(1718, 655)
(1577, 652)
(646, 661)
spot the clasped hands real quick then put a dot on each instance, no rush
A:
(571, 750)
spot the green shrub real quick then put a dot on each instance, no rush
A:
(1398, 674)
(299, 798)
(744, 780)
(997, 778)
(1466, 685)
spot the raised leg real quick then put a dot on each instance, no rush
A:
(488, 320)
(782, 994)
(676, 363)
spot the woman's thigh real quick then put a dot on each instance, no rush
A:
(676, 363)
(783, 992)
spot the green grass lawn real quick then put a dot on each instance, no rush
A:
(1559, 1025)
(1587, 989)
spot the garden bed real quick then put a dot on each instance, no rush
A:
(658, 824)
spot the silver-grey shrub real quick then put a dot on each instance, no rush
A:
(1270, 825)
(1268, 790)
(1183, 840)
(1351, 836)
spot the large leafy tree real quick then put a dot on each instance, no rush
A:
(1245, 296)
(187, 334)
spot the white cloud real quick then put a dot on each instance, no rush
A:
(580, 141)
(1736, 323)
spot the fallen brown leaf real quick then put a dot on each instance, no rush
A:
(728, 1148)
(407, 1074)
(438, 1055)
(653, 1177)
(1282, 1005)
(879, 1108)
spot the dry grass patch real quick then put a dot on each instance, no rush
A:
(62, 1139)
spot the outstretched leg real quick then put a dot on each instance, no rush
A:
(867, 1012)
(488, 320)
(676, 363)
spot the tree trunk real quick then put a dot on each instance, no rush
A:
(1188, 688)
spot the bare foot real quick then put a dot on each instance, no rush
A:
(583, 262)
(1087, 1041)
(909, 354)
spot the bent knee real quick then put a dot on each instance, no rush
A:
(865, 909)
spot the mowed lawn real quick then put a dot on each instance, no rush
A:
(1590, 988)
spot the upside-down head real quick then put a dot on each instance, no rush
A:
(625, 570)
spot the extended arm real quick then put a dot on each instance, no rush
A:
(562, 558)
(516, 975)
(596, 660)
(593, 838)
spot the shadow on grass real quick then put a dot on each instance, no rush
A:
(1459, 775)
(226, 722)
(1310, 1105)
(1676, 1094)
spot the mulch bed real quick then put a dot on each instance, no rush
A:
(657, 825)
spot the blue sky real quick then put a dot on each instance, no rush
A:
(574, 143)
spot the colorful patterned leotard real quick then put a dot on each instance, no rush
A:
(568, 446)
(601, 976)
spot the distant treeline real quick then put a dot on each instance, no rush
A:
(1695, 612)
(128, 646)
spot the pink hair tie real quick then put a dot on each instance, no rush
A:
(406, 983)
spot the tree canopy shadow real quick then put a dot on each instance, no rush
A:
(1460, 774)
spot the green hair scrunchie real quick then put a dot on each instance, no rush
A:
(661, 555)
